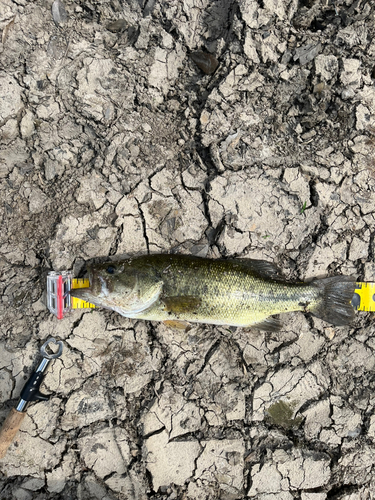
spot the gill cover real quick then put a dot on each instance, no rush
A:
(144, 293)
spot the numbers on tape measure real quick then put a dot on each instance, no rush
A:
(79, 303)
(80, 283)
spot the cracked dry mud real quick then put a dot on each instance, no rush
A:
(114, 142)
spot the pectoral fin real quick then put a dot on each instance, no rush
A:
(182, 304)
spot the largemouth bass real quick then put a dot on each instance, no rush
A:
(243, 292)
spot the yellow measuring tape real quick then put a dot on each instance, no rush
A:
(363, 299)
(79, 303)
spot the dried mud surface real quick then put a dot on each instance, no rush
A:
(114, 142)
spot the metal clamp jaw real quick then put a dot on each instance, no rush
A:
(31, 392)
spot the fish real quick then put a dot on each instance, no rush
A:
(233, 292)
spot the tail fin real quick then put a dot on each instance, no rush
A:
(334, 304)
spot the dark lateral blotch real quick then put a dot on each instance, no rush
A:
(205, 61)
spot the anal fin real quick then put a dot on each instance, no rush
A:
(271, 324)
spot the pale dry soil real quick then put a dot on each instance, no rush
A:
(115, 143)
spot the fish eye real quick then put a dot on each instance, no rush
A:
(111, 269)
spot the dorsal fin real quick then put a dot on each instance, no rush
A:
(262, 268)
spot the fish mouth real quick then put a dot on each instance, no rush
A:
(81, 293)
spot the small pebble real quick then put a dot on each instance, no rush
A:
(59, 13)
(117, 26)
(206, 62)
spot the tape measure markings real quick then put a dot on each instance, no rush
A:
(364, 297)
(79, 303)
(363, 300)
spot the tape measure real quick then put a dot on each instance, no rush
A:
(79, 303)
(59, 300)
(364, 297)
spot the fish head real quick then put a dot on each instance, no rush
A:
(121, 287)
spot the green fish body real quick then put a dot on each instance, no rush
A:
(190, 289)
